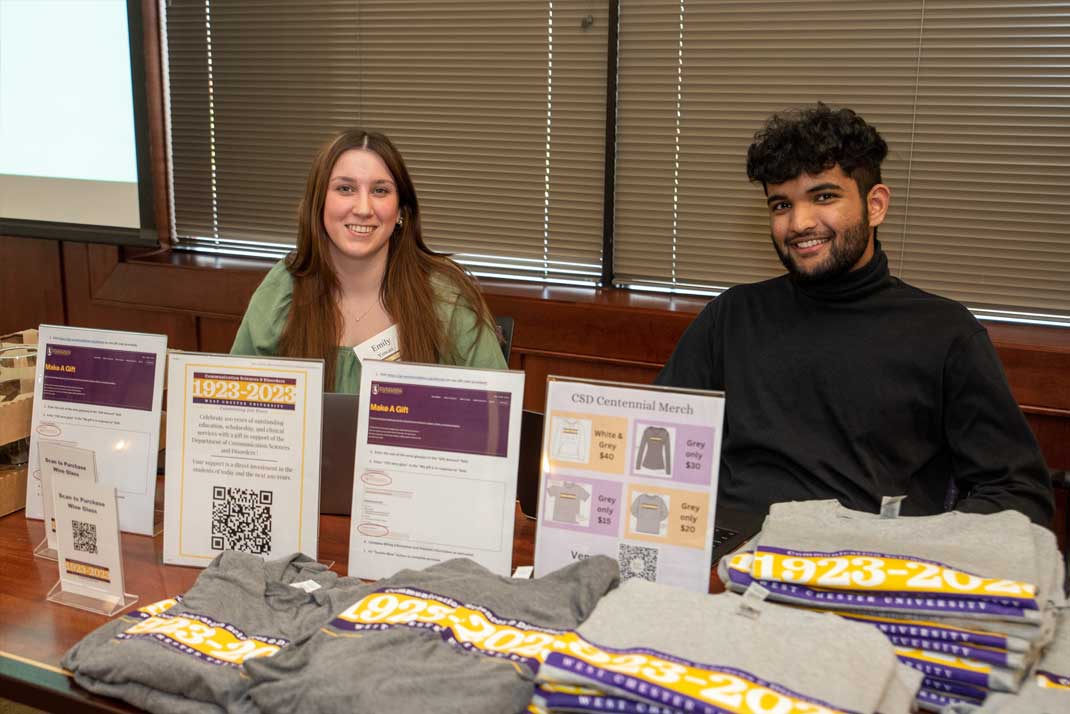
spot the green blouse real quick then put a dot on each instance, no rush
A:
(269, 308)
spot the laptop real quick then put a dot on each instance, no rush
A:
(338, 452)
(340, 449)
(732, 527)
(529, 462)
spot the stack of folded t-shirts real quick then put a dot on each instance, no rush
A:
(654, 649)
(1048, 693)
(967, 599)
(290, 636)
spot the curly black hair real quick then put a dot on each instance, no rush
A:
(813, 140)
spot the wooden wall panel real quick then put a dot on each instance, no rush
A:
(216, 334)
(639, 335)
(537, 367)
(1039, 378)
(31, 284)
(83, 269)
(1053, 432)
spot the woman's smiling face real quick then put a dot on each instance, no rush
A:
(360, 210)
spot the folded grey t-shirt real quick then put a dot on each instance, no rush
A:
(453, 637)
(817, 657)
(996, 545)
(186, 656)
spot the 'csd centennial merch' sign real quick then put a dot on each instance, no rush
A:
(243, 456)
(631, 473)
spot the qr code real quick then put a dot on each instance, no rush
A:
(241, 519)
(85, 536)
(637, 561)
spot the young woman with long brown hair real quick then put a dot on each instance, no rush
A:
(360, 267)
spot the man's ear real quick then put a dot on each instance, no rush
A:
(877, 201)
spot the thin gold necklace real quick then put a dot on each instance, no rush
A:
(365, 313)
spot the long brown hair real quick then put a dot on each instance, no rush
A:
(407, 294)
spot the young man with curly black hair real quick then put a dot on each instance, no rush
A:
(841, 380)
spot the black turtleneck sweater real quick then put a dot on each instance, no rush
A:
(856, 388)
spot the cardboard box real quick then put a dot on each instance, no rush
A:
(18, 357)
(12, 489)
(15, 418)
(18, 365)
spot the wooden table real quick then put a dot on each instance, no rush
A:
(35, 633)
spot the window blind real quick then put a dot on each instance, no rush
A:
(498, 109)
(991, 141)
(972, 98)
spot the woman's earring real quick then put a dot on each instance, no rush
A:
(401, 221)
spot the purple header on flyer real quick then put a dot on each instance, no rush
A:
(244, 378)
(99, 377)
(416, 416)
(242, 390)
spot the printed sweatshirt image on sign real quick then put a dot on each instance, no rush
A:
(644, 491)
(587, 442)
(572, 438)
(243, 456)
(435, 467)
(654, 454)
(101, 390)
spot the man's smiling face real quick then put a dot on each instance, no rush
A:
(820, 225)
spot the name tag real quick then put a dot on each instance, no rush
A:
(385, 346)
